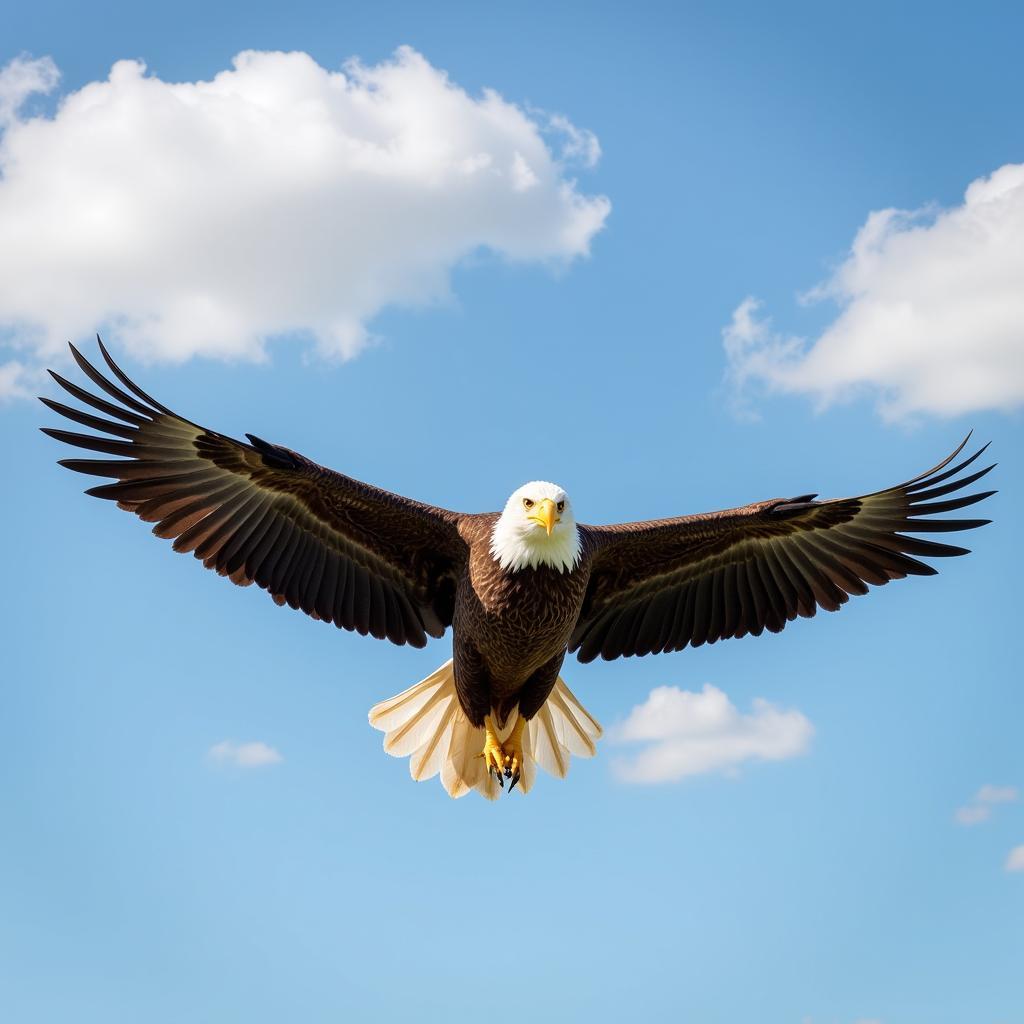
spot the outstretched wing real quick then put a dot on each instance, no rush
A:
(341, 550)
(660, 585)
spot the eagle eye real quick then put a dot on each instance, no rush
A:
(561, 506)
(527, 502)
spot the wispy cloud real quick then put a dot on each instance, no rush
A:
(979, 809)
(989, 794)
(12, 381)
(690, 733)
(931, 314)
(254, 754)
(203, 217)
(1015, 859)
(972, 814)
(22, 78)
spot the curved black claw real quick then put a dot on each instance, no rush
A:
(515, 779)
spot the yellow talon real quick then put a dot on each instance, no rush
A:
(493, 752)
(504, 759)
(514, 745)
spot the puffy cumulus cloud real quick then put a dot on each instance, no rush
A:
(254, 754)
(280, 196)
(979, 809)
(689, 733)
(931, 314)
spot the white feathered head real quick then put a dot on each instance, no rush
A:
(536, 528)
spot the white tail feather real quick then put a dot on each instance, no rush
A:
(427, 761)
(426, 724)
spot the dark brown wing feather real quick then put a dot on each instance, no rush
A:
(341, 550)
(660, 585)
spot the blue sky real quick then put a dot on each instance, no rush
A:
(741, 152)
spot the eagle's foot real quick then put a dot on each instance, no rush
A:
(514, 752)
(493, 753)
(504, 759)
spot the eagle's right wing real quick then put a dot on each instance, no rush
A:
(341, 550)
(660, 585)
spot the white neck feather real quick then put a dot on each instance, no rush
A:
(517, 545)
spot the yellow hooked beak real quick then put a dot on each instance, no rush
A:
(545, 514)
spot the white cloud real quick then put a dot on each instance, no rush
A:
(1015, 859)
(691, 733)
(972, 814)
(21, 78)
(577, 143)
(931, 313)
(254, 754)
(12, 380)
(980, 808)
(204, 217)
(990, 794)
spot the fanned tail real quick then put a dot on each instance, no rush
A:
(427, 724)
(563, 726)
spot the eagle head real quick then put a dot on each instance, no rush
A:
(537, 527)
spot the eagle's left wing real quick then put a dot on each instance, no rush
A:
(342, 550)
(660, 585)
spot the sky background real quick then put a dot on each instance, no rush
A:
(862, 868)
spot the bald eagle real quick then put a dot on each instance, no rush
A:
(519, 588)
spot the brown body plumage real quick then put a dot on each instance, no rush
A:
(368, 560)
(511, 629)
